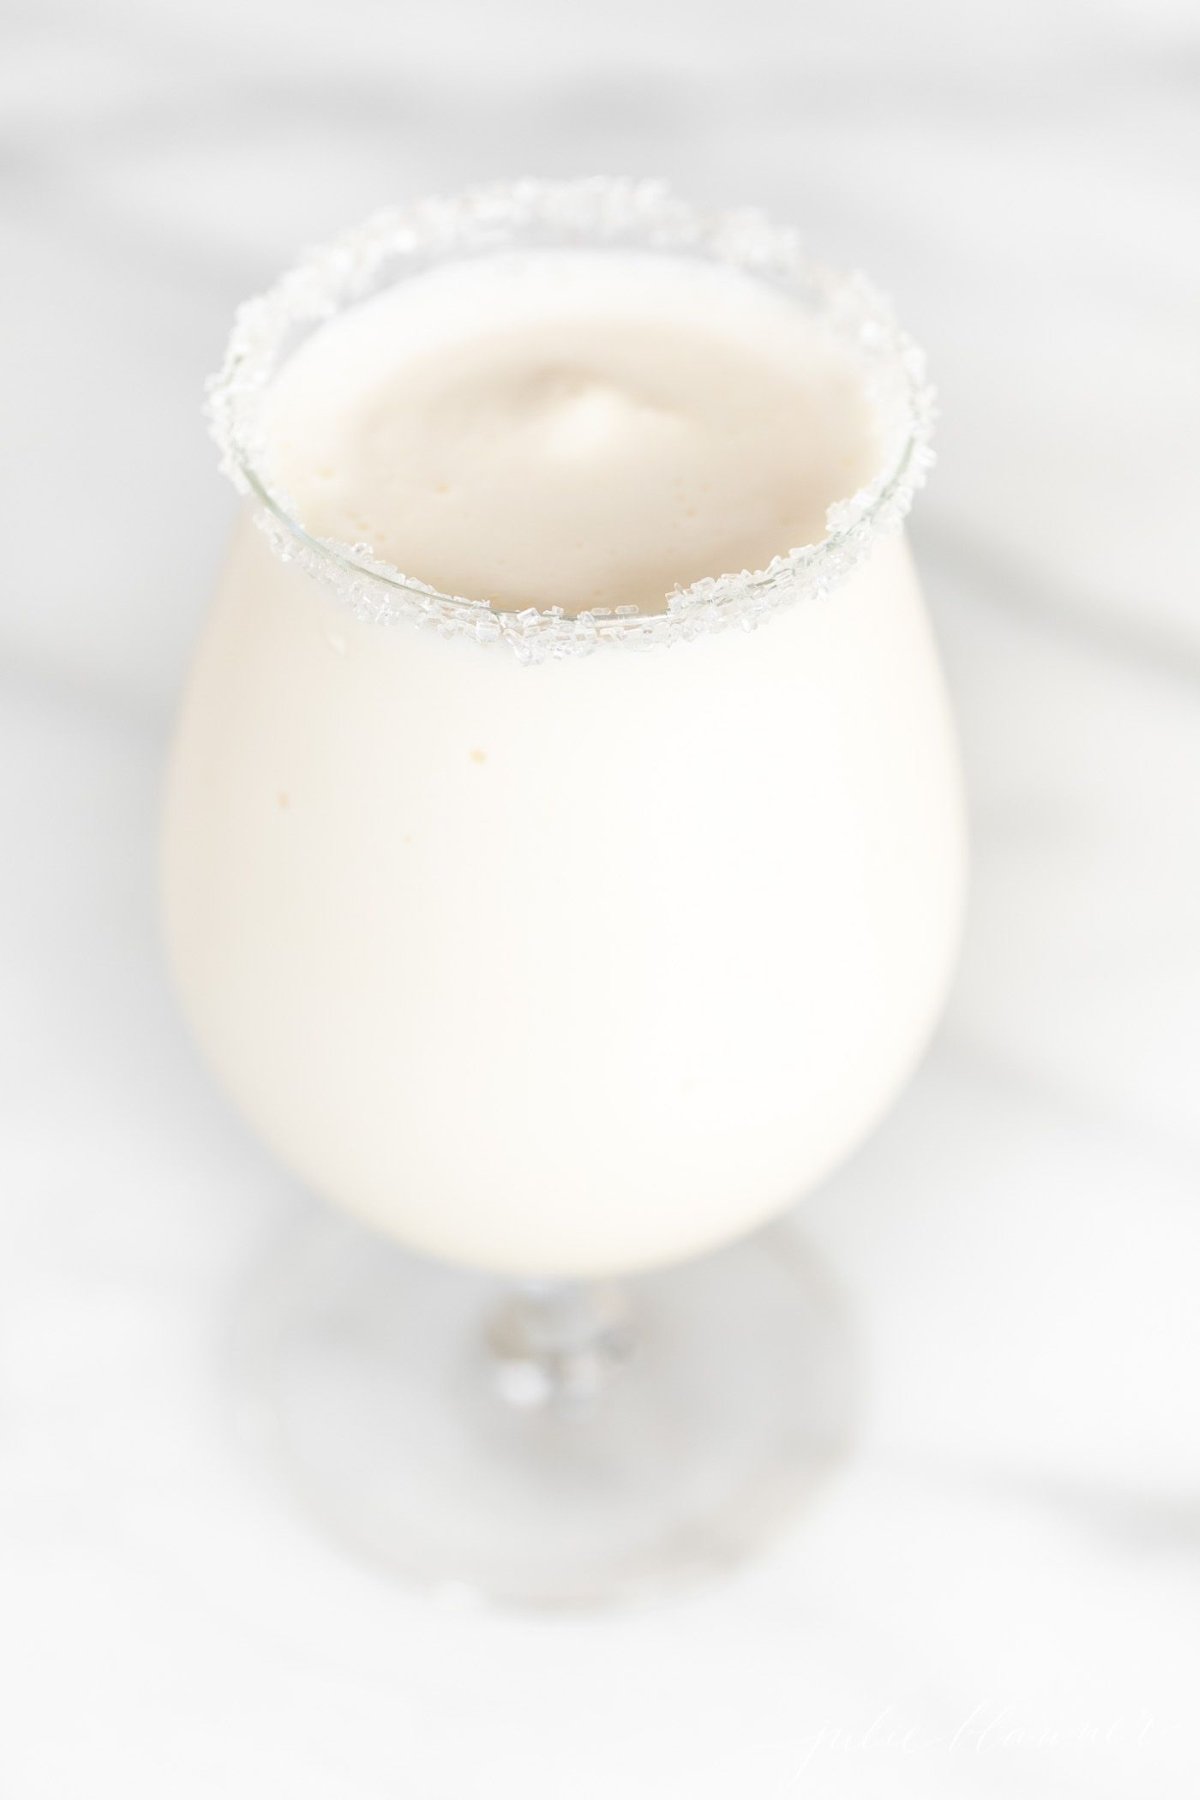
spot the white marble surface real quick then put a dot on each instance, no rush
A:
(1001, 1594)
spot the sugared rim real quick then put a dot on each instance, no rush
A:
(598, 213)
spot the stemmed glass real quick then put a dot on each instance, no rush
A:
(569, 949)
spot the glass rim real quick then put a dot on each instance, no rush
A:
(595, 213)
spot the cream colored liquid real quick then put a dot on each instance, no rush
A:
(570, 429)
(596, 963)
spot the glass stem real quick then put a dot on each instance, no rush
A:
(558, 1343)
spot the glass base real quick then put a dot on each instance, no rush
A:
(564, 1446)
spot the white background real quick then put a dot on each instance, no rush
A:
(1001, 1594)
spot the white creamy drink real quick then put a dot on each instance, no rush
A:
(584, 962)
(570, 428)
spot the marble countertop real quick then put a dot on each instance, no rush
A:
(1000, 1594)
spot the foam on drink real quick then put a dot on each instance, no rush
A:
(570, 428)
